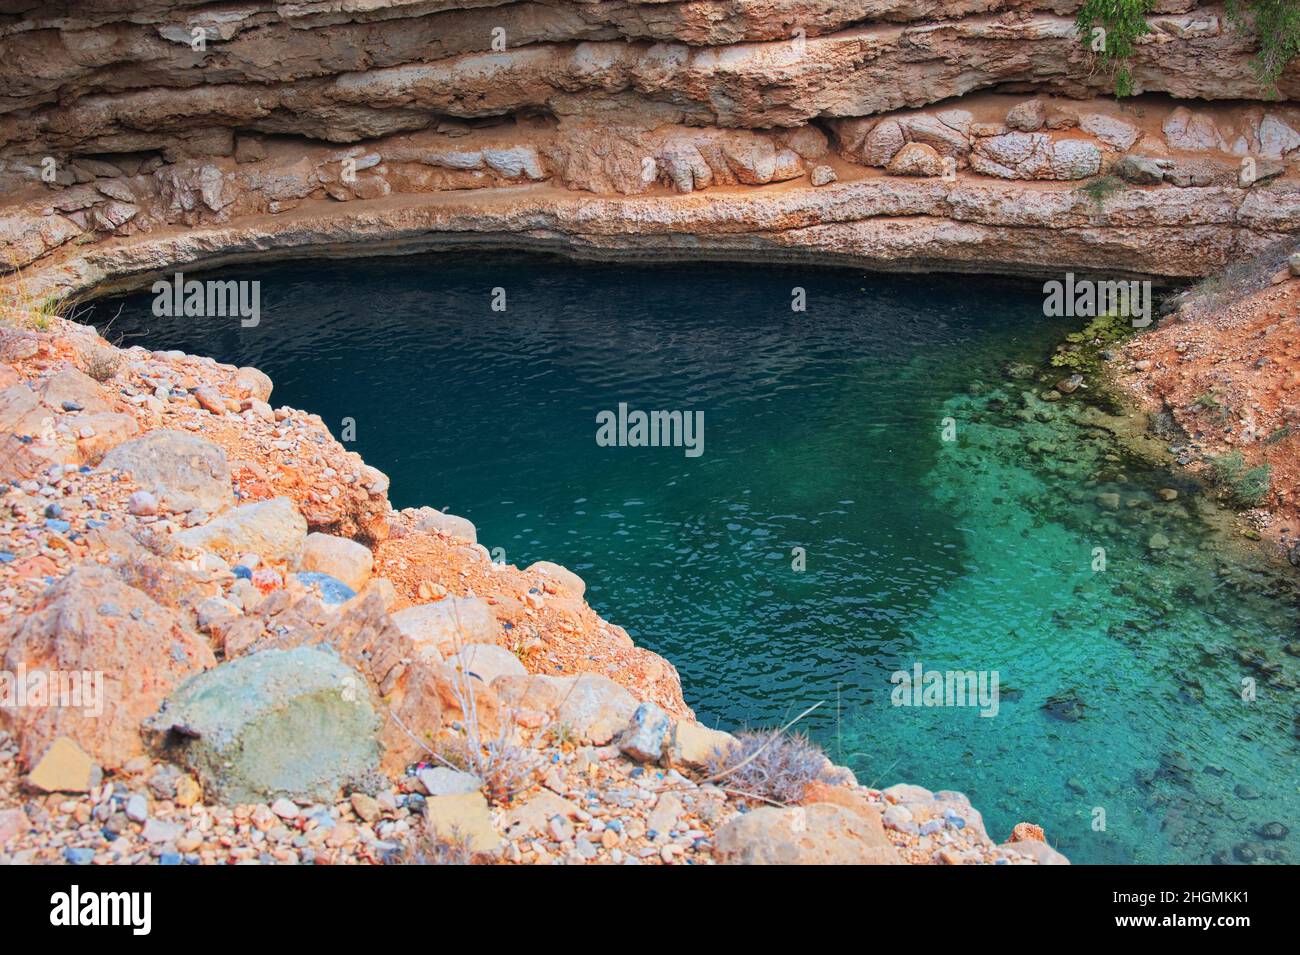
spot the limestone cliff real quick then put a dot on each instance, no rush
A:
(905, 134)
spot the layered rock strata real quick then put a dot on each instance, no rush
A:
(890, 133)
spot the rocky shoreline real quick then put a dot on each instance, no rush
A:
(293, 672)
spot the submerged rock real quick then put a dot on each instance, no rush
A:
(1067, 706)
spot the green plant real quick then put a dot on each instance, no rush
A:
(1276, 26)
(1246, 486)
(1081, 351)
(1122, 21)
(1279, 435)
(1102, 188)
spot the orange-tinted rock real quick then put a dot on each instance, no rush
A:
(1026, 831)
(116, 655)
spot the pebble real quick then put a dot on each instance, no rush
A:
(137, 808)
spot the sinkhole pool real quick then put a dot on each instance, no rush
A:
(828, 536)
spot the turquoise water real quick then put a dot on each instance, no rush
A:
(824, 430)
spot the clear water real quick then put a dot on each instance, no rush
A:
(823, 431)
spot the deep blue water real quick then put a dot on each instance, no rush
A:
(823, 431)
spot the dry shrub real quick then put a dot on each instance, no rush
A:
(450, 849)
(772, 765)
(1239, 279)
(102, 365)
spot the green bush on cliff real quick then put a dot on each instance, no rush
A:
(1276, 26)
(1123, 22)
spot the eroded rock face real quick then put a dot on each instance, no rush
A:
(115, 125)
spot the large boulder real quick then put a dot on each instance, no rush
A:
(875, 142)
(1027, 117)
(589, 706)
(643, 737)
(696, 746)
(420, 696)
(123, 650)
(560, 574)
(1036, 156)
(820, 834)
(274, 530)
(72, 390)
(430, 520)
(281, 723)
(185, 472)
(340, 557)
(452, 620)
(462, 818)
(485, 662)
(1111, 130)
(916, 159)
(1193, 132)
(1139, 170)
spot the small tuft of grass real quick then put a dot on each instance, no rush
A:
(1101, 188)
(1246, 486)
(452, 849)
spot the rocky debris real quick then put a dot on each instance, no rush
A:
(431, 520)
(183, 471)
(1220, 368)
(296, 723)
(343, 559)
(122, 651)
(273, 529)
(559, 791)
(592, 708)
